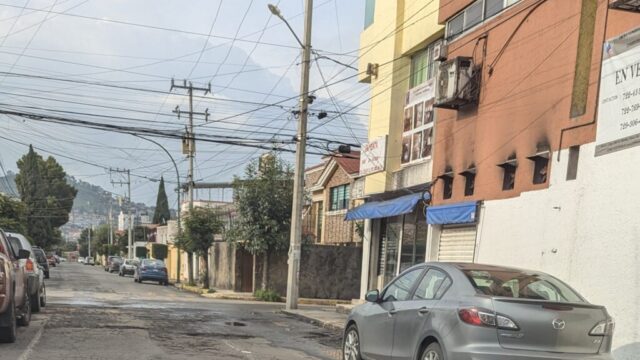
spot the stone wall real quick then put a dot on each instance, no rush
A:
(326, 272)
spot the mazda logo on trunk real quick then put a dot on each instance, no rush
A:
(558, 324)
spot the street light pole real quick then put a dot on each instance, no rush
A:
(295, 242)
(179, 190)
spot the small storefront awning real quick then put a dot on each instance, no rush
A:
(460, 213)
(382, 209)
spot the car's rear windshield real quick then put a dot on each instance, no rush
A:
(116, 259)
(153, 263)
(521, 285)
(40, 255)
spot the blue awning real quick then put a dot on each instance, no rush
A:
(382, 209)
(460, 213)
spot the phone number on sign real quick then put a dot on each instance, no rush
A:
(629, 124)
(631, 93)
(629, 109)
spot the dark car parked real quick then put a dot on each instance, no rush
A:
(41, 258)
(153, 270)
(113, 264)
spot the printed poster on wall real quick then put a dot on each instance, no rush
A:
(619, 101)
(418, 122)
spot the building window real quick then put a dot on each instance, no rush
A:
(540, 170)
(447, 186)
(572, 167)
(414, 239)
(320, 214)
(469, 182)
(424, 64)
(369, 12)
(509, 179)
(339, 197)
(475, 14)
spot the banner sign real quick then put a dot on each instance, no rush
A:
(373, 156)
(619, 101)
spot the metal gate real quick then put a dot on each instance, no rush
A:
(457, 244)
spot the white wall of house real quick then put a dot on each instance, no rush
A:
(585, 231)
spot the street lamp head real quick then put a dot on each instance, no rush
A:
(274, 10)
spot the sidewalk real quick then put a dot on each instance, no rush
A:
(327, 318)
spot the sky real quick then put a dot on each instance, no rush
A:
(111, 62)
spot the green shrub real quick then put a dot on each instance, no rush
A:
(211, 291)
(267, 295)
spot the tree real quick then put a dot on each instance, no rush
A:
(162, 213)
(263, 201)
(200, 226)
(12, 215)
(47, 196)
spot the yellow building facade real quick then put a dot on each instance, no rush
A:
(399, 48)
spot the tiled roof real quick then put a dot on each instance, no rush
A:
(349, 162)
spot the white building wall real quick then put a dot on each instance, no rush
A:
(585, 231)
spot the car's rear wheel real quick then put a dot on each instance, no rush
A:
(25, 319)
(351, 344)
(8, 333)
(43, 296)
(432, 352)
(35, 302)
(46, 275)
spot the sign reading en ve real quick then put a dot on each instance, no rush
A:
(619, 101)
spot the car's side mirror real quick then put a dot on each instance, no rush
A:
(23, 254)
(373, 296)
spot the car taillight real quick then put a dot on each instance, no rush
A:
(29, 266)
(479, 317)
(163, 270)
(603, 328)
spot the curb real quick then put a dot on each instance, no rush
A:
(320, 323)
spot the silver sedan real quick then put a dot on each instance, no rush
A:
(455, 311)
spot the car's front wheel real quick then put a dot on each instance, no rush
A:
(351, 344)
(432, 352)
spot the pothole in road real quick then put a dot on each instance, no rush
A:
(234, 323)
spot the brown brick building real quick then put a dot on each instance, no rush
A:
(329, 186)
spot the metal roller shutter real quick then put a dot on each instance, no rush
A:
(457, 244)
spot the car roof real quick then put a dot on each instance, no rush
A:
(476, 266)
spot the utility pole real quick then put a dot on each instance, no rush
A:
(298, 180)
(110, 223)
(89, 244)
(190, 148)
(130, 216)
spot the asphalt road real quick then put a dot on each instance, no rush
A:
(92, 314)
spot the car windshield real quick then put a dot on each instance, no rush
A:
(153, 263)
(521, 285)
(130, 262)
(116, 259)
(40, 256)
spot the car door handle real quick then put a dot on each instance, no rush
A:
(392, 312)
(423, 311)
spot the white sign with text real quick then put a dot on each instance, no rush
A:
(373, 156)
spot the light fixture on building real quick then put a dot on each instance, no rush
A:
(626, 5)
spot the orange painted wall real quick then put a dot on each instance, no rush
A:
(527, 98)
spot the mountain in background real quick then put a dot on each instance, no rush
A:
(90, 207)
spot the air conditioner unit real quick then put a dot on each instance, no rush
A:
(457, 83)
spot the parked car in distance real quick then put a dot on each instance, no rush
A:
(89, 261)
(81, 260)
(128, 267)
(151, 270)
(35, 274)
(477, 312)
(15, 285)
(8, 291)
(52, 260)
(41, 258)
(113, 264)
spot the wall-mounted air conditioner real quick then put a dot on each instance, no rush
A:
(457, 83)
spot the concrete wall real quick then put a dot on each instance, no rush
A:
(326, 272)
(585, 231)
(223, 271)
